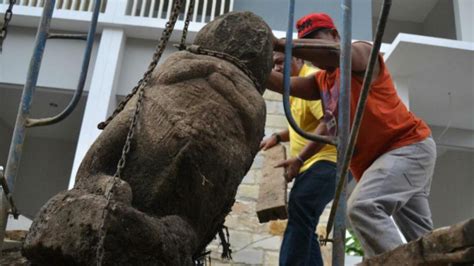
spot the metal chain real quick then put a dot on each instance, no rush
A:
(195, 49)
(156, 58)
(182, 45)
(6, 20)
(126, 148)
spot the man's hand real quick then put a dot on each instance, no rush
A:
(268, 142)
(292, 166)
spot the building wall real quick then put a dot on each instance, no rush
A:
(136, 58)
(61, 64)
(394, 27)
(451, 199)
(440, 21)
(5, 138)
(44, 171)
(463, 10)
(275, 13)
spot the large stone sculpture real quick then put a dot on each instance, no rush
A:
(198, 131)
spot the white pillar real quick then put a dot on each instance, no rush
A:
(463, 13)
(403, 89)
(101, 98)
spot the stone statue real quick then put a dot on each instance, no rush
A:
(199, 128)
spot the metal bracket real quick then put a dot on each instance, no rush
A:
(67, 36)
(8, 195)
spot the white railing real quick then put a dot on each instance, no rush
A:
(75, 5)
(204, 10)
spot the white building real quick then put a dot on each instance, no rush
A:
(429, 48)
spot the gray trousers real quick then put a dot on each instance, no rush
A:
(397, 184)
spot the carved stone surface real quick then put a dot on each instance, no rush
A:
(199, 129)
(452, 245)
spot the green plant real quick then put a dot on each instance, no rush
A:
(352, 245)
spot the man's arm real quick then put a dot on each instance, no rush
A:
(327, 53)
(274, 139)
(301, 87)
(294, 164)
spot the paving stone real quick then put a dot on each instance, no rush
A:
(271, 258)
(267, 242)
(249, 256)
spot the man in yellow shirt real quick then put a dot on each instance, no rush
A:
(313, 166)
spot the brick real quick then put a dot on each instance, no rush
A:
(257, 162)
(250, 177)
(274, 107)
(272, 96)
(272, 196)
(271, 258)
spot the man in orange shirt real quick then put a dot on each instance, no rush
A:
(394, 155)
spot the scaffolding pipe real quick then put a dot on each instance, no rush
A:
(31, 122)
(344, 110)
(287, 81)
(16, 146)
(22, 120)
(359, 111)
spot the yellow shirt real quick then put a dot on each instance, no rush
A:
(307, 115)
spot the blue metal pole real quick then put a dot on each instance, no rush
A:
(288, 56)
(287, 81)
(82, 77)
(16, 146)
(339, 233)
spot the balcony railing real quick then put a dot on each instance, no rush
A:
(74, 5)
(204, 10)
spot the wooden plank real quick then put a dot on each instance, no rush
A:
(272, 198)
(444, 246)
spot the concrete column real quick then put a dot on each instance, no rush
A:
(403, 90)
(463, 13)
(101, 98)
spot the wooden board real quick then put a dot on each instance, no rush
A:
(272, 197)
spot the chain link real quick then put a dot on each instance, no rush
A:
(182, 45)
(195, 49)
(156, 57)
(6, 20)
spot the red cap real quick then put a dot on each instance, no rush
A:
(312, 22)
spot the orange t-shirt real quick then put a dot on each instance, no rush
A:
(386, 125)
